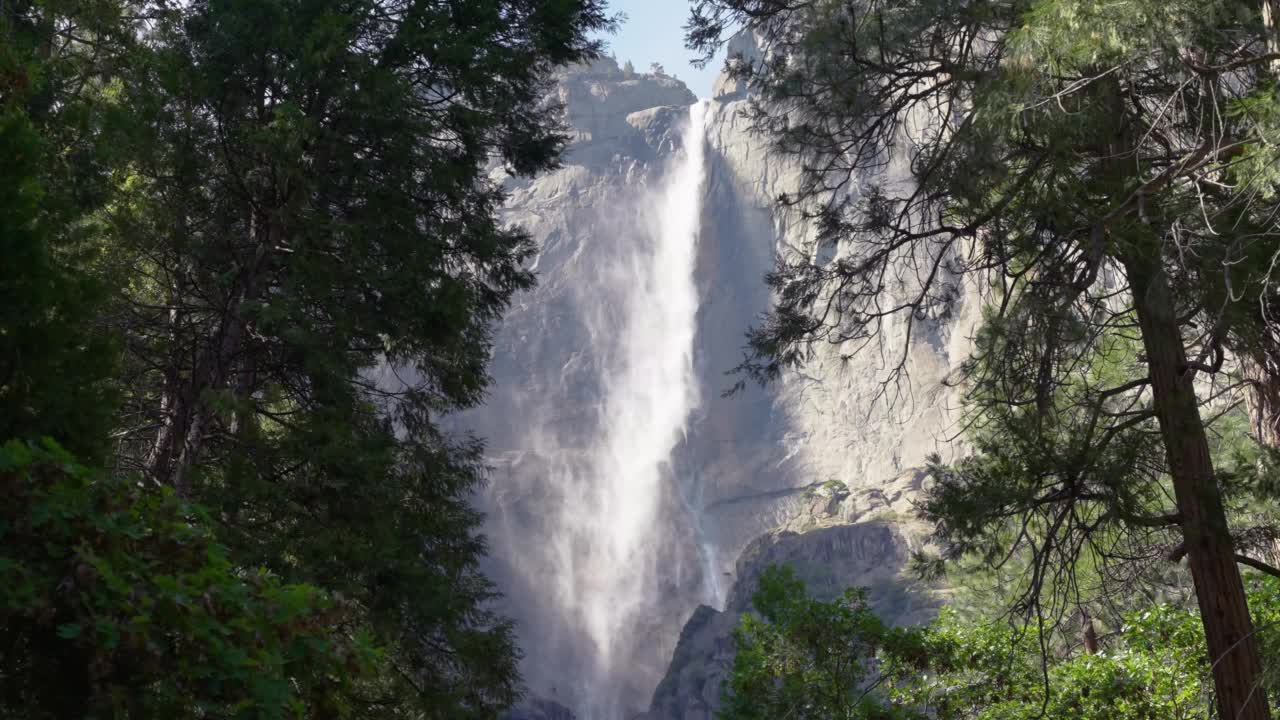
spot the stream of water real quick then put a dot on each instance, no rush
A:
(650, 391)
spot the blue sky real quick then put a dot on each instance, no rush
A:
(654, 32)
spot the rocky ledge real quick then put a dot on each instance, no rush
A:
(842, 539)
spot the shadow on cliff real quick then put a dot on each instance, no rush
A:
(871, 554)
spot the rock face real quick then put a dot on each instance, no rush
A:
(751, 478)
(841, 539)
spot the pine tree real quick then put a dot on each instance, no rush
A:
(800, 657)
(115, 600)
(309, 225)
(1104, 172)
(269, 229)
(55, 362)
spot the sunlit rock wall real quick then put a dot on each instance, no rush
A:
(748, 464)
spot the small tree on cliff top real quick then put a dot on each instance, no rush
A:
(1107, 173)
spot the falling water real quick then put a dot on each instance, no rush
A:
(608, 576)
(594, 510)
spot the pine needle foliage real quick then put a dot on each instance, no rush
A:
(1100, 175)
(835, 660)
(256, 263)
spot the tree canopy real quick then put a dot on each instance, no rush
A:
(822, 660)
(1102, 177)
(253, 260)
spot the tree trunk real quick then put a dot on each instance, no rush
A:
(1224, 610)
(1263, 397)
(181, 437)
(1090, 633)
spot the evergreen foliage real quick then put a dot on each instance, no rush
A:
(118, 602)
(252, 261)
(1102, 176)
(311, 219)
(804, 658)
(55, 361)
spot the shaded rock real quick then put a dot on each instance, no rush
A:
(830, 555)
(703, 656)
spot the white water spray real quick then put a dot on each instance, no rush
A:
(608, 576)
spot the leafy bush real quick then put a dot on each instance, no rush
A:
(117, 603)
(1152, 670)
(803, 658)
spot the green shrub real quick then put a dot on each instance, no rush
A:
(117, 603)
(805, 659)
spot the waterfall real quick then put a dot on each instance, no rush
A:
(609, 576)
(593, 511)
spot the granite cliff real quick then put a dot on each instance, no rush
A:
(817, 470)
